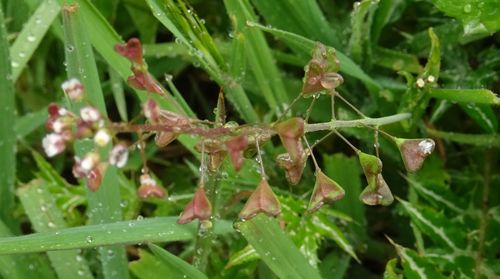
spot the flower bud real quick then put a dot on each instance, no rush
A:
(414, 152)
(53, 144)
(321, 73)
(118, 156)
(262, 200)
(102, 137)
(73, 88)
(89, 162)
(149, 188)
(378, 193)
(198, 208)
(94, 177)
(235, 148)
(132, 50)
(326, 190)
(90, 114)
(290, 132)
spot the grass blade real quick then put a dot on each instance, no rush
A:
(488, 140)
(104, 205)
(178, 267)
(118, 94)
(276, 249)
(149, 267)
(260, 58)
(160, 229)
(40, 206)
(478, 96)
(30, 122)
(7, 132)
(32, 34)
(23, 266)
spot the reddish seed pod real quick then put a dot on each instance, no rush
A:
(235, 148)
(262, 200)
(198, 208)
(326, 190)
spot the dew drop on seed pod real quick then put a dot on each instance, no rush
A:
(14, 64)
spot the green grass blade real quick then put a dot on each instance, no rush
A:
(276, 249)
(259, 55)
(487, 140)
(178, 267)
(200, 42)
(478, 96)
(7, 132)
(398, 61)
(32, 34)
(306, 45)
(40, 206)
(160, 229)
(104, 205)
(30, 122)
(149, 267)
(23, 266)
(118, 94)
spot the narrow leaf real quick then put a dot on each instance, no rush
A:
(276, 249)
(32, 34)
(160, 229)
(44, 215)
(478, 96)
(178, 267)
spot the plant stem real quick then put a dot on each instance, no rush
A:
(334, 124)
(484, 213)
(203, 246)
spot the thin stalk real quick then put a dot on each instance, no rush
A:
(351, 105)
(309, 109)
(206, 235)
(484, 213)
(334, 124)
(346, 141)
(312, 154)
(333, 105)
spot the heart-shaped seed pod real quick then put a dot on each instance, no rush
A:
(262, 200)
(198, 208)
(414, 152)
(326, 190)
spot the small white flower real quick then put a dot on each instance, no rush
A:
(58, 126)
(90, 114)
(102, 137)
(53, 144)
(431, 79)
(73, 88)
(89, 162)
(146, 179)
(118, 156)
(420, 83)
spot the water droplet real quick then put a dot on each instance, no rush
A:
(467, 8)
(140, 218)
(51, 225)
(70, 48)
(14, 64)
(89, 239)
(31, 38)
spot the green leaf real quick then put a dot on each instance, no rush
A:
(439, 196)
(178, 267)
(23, 266)
(361, 19)
(244, 255)
(104, 204)
(30, 122)
(398, 61)
(32, 34)
(433, 64)
(390, 270)
(160, 229)
(275, 248)
(478, 96)
(437, 226)
(40, 206)
(149, 267)
(483, 15)
(415, 267)
(191, 33)
(488, 140)
(483, 115)
(7, 131)
(306, 46)
(259, 55)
